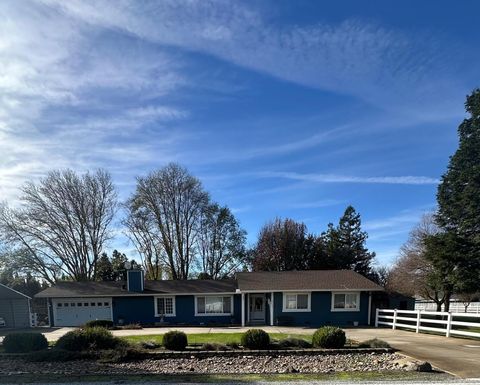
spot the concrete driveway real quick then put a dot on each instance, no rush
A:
(454, 355)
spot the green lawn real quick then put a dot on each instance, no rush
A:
(222, 338)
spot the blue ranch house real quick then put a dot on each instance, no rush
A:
(299, 298)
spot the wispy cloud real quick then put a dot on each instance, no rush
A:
(386, 67)
(316, 204)
(333, 178)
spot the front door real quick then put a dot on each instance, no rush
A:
(257, 307)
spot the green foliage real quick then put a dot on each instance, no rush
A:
(297, 343)
(345, 244)
(104, 269)
(287, 245)
(24, 342)
(94, 338)
(256, 339)
(374, 343)
(150, 345)
(329, 337)
(107, 324)
(458, 198)
(175, 340)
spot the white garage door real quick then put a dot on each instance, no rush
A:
(77, 311)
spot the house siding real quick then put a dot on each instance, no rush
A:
(321, 313)
(141, 310)
(16, 312)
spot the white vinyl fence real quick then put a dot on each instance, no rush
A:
(455, 307)
(450, 324)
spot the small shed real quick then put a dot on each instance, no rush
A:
(14, 308)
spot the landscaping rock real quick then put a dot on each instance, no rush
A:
(298, 363)
(423, 367)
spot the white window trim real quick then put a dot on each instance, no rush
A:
(174, 314)
(345, 292)
(309, 303)
(197, 314)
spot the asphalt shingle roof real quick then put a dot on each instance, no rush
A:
(310, 280)
(304, 280)
(85, 289)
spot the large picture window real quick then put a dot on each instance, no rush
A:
(164, 306)
(214, 305)
(345, 301)
(295, 302)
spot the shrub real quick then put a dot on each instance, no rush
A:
(256, 339)
(293, 343)
(99, 323)
(121, 353)
(213, 346)
(175, 340)
(374, 343)
(329, 337)
(24, 342)
(131, 327)
(96, 338)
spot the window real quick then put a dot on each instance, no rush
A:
(296, 302)
(345, 301)
(106, 304)
(99, 304)
(165, 306)
(92, 303)
(72, 304)
(79, 304)
(214, 305)
(65, 304)
(85, 304)
(59, 304)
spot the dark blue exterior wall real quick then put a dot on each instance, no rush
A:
(135, 280)
(321, 313)
(141, 309)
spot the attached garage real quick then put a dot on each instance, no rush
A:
(14, 308)
(78, 311)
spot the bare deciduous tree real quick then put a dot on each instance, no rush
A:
(145, 237)
(62, 224)
(171, 202)
(221, 242)
(413, 274)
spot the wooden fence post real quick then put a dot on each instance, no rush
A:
(449, 324)
(419, 317)
(377, 312)
(394, 319)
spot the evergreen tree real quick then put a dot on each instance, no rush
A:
(345, 244)
(118, 265)
(104, 269)
(459, 202)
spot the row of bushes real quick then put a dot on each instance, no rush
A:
(326, 337)
(94, 339)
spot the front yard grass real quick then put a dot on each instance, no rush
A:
(220, 338)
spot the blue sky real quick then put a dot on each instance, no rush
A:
(282, 108)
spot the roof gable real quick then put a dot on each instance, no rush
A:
(8, 292)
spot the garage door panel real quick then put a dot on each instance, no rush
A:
(78, 311)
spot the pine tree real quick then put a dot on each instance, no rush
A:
(459, 203)
(104, 269)
(345, 244)
(118, 265)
